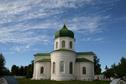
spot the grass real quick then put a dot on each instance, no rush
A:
(28, 81)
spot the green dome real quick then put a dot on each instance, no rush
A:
(64, 32)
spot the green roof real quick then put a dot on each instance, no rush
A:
(42, 54)
(82, 60)
(78, 53)
(85, 53)
(44, 60)
(64, 50)
(64, 32)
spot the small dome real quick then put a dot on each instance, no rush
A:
(64, 32)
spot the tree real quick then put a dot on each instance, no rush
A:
(97, 66)
(106, 67)
(113, 66)
(14, 70)
(118, 70)
(29, 70)
(3, 69)
(122, 67)
(2, 62)
(109, 73)
(23, 70)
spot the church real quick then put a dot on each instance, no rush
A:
(64, 63)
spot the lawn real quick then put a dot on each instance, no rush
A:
(28, 81)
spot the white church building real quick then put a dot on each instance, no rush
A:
(64, 63)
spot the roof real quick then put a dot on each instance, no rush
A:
(42, 57)
(42, 54)
(45, 57)
(82, 60)
(63, 50)
(78, 53)
(64, 32)
(85, 53)
(44, 60)
(77, 60)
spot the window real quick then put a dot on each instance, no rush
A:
(62, 66)
(54, 65)
(71, 68)
(56, 45)
(84, 70)
(63, 44)
(70, 44)
(42, 70)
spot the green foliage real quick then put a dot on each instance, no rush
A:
(109, 73)
(29, 71)
(2, 62)
(97, 66)
(28, 81)
(122, 67)
(106, 67)
(23, 70)
(117, 70)
(3, 69)
(14, 69)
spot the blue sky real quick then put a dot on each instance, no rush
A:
(28, 27)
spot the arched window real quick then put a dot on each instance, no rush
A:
(61, 66)
(41, 70)
(70, 44)
(63, 44)
(54, 65)
(71, 68)
(84, 70)
(56, 45)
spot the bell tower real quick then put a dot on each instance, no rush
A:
(64, 39)
(63, 56)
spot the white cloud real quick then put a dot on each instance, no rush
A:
(14, 36)
(20, 49)
(92, 39)
(88, 24)
(18, 10)
(21, 33)
(16, 19)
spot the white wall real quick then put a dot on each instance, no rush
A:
(89, 71)
(47, 70)
(66, 39)
(67, 57)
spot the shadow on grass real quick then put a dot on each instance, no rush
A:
(29, 81)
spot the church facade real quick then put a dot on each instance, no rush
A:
(64, 63)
